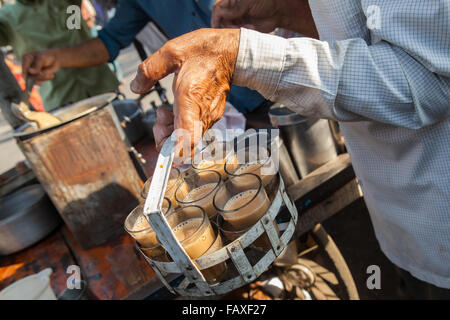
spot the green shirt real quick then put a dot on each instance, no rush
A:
(41, 24)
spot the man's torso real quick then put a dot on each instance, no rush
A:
(404, 173)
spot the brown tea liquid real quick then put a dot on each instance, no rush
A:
(147, 237)
(206, 203)
(247, 211)
(195, 237)
(255, 167)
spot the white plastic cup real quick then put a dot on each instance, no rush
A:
(34, 287)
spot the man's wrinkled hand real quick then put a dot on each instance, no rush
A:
(203, 62)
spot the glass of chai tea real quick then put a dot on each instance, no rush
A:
(138, 227)
(175, 179)
(253, 159)
(199, 188)
(214, 156)
(192, 228)
(241, 204)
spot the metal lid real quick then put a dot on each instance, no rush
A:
(281, 116)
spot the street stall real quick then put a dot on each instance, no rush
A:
(271, 98)
(65, 221)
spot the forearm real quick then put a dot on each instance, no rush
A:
(87, 54)
(295, 15)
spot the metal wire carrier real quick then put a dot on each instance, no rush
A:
(237, 253)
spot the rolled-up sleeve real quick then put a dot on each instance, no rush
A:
(403, 79)
(123, 27)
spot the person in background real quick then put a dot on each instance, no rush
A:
(173, 17)
(380, 68)
(25, 26)
(16, 69)
(89, 14)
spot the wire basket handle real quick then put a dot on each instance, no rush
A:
(153, 214)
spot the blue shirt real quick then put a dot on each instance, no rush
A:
(175, 18)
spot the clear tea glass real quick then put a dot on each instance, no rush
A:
(199, 188)
(253, 159)
(217, 272)
(175, 179)
(138, 227)
(242, 206)
(213, 157)
(157, 253)
(197, 236)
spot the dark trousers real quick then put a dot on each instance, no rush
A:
(413, 288)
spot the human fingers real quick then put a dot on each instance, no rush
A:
(163, 127)
(154, 68)
(200, 102)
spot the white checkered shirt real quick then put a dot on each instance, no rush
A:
(382, 69)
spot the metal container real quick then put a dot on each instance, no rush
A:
(85, 168)
(16, 178)
(287, 168)
(309, 141)
(130, 117)
(26, 216)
